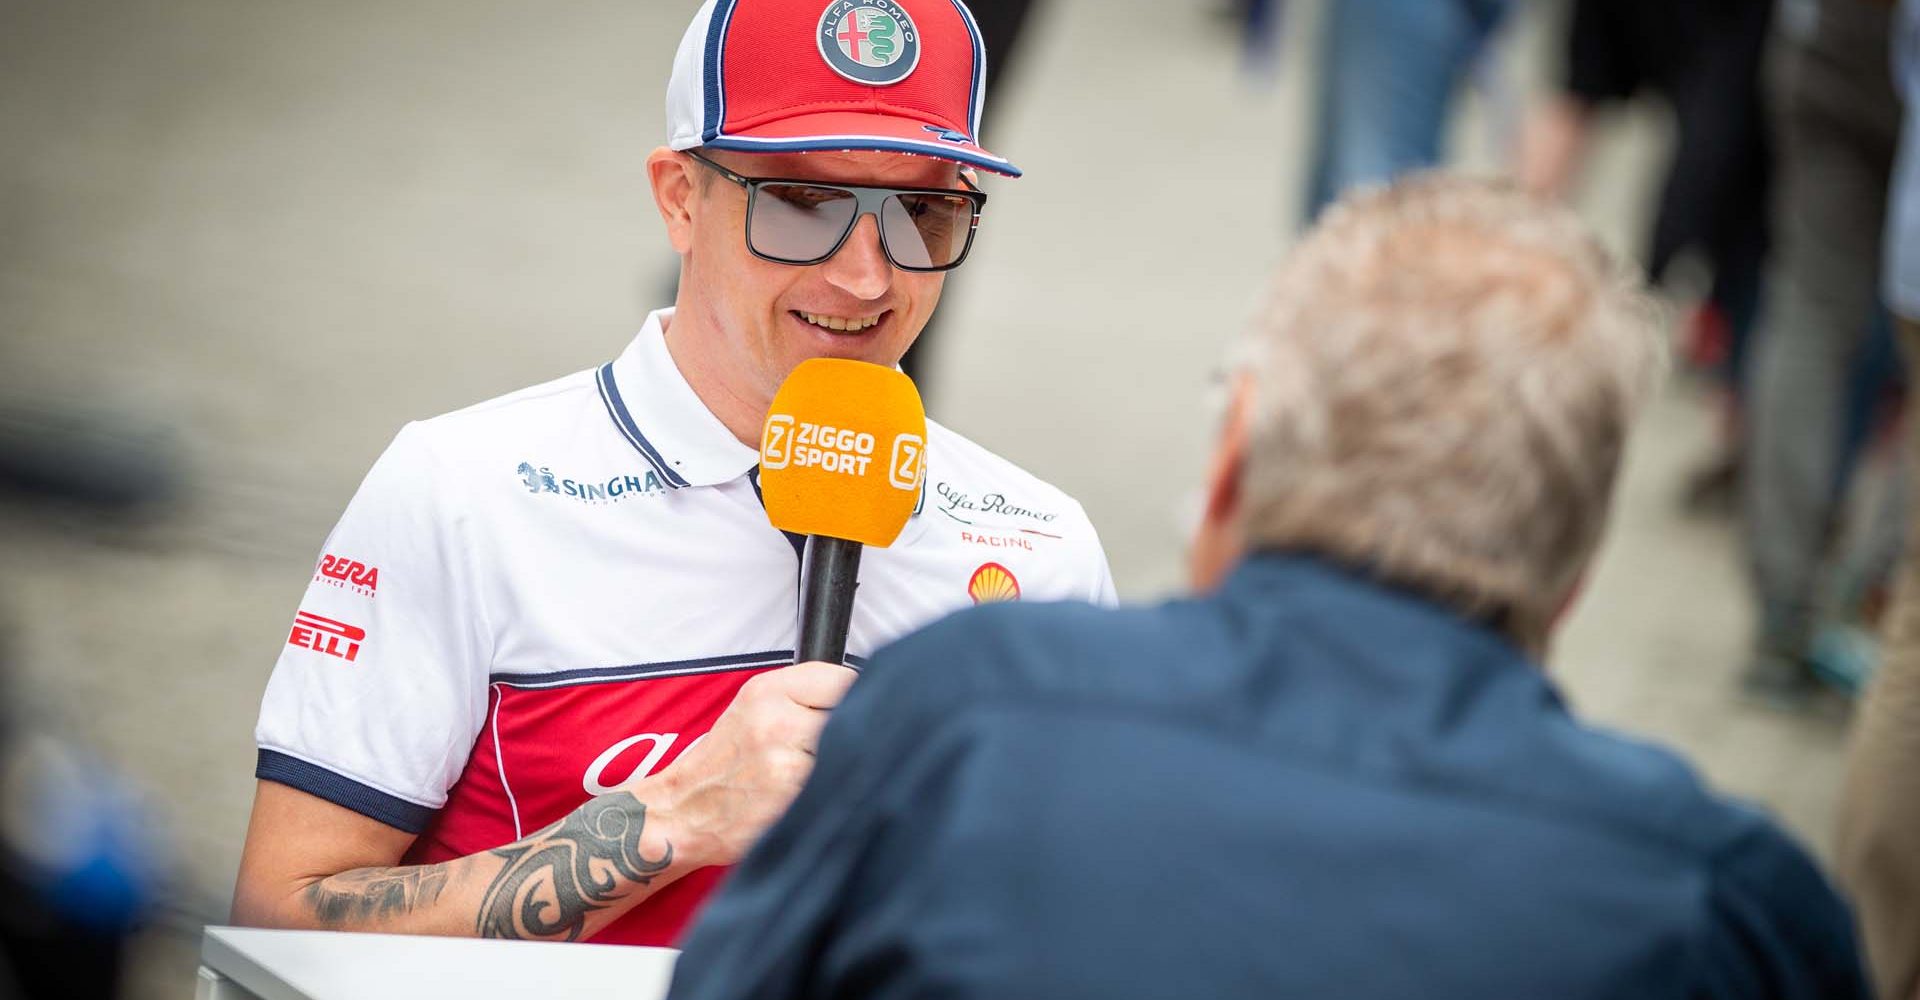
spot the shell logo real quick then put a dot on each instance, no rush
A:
(992, 583)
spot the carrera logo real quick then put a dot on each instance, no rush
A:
(348, 574)
(324, 635)
(615, 766)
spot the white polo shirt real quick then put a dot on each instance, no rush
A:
(532, 600)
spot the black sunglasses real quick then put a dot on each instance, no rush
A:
(806, 222)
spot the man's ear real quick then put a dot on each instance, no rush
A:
(1227, 474)
(1220, 541)
(675, 193)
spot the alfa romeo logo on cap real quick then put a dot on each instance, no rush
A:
(869, 41)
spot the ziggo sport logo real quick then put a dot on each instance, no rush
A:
(838, 449)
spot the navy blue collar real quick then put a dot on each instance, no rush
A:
(1400, 631)
(662, 418)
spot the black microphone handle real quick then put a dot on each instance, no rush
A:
(828, 570)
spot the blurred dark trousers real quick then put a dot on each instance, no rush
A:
(1001, 23)
(1388, 73)
(1822, 310)
(1878, 849)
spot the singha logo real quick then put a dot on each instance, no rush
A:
(615, 489)
(538, 479)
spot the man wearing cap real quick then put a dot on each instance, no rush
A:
(540, 684)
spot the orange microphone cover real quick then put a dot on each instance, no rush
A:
(843, 451)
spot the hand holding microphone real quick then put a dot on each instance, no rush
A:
(734, 782)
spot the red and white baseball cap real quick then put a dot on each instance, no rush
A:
(783, 76)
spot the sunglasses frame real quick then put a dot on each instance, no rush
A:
(867, 201)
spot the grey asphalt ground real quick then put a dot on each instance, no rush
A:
(281, 230)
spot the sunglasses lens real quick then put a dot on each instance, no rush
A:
(926, 230)
(799, 222)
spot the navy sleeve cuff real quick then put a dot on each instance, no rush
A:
(342, 791)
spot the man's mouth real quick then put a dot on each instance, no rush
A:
(840, 324)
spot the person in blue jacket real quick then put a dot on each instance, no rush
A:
(1340, 770)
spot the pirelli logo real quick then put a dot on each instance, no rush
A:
(324, 635)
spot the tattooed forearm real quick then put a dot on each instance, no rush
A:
(358, 896)
(554, 879)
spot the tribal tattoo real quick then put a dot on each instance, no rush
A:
(357, 896)
(581, 864)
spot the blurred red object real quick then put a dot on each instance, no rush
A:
(1706, 338)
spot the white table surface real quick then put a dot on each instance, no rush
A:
(327, 965)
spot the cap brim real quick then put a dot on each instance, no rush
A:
(854, 130)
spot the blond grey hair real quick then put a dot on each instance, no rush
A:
(1443, 380)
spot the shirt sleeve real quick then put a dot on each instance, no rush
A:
(1777, 928)
(1103, 594)
(381, 686)
(1100, 591)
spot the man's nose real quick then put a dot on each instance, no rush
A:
(861, 268)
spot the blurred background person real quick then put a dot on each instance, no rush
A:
(1341, 771)
(1705, 61)
(1388, 74)
(80, 866)
(79, 872)
(1002, 24)
(1879, 837)
(1807, 412)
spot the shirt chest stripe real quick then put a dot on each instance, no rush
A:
(500, 760)
(644, 671)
